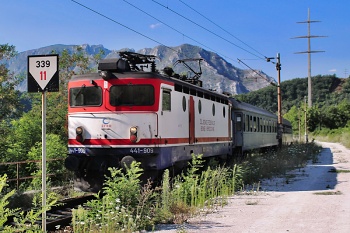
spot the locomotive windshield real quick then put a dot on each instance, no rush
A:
(85, 96)
(132, 95)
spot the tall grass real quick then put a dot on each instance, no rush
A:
(258, 166)
(24, 221)
(336, 135)
(126, 206)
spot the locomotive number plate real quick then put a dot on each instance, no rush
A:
(77, 150)
(144, 150)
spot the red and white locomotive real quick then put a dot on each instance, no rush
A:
(124, 114)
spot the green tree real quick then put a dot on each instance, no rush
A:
(10, 105)
(55, 149)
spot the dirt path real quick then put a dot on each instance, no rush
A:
(312, 199)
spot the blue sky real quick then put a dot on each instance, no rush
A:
(249, 29)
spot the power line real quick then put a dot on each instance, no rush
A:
(175, 29)
(221, 28)
(272, 83)
(206, 29)
(104, 16)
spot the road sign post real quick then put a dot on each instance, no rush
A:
(43, 76)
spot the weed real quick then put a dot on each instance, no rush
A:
(333, 170)
(329, 193)
(252, 202)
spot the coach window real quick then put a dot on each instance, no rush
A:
(261, 124)
(246, 123)
(238, 122)
(264, 123)
(213, 109)
(254, 120)
(166, 104)
(243, 122)
(224, 111)
(251, 124)
(275, 126)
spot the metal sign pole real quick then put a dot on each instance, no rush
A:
(43, 175)
(43, 75)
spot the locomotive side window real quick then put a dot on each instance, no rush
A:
(132, 95)
(166, 104)
(199, 106)
(85, 96)
(184, 103)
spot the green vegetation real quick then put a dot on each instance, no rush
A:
(329, 193)
(25, 221)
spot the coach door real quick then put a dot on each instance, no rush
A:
(238, 128)
(191, 121)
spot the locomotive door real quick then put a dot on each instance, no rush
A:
(191, 121)
(238, 128)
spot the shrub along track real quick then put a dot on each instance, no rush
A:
(60, 215)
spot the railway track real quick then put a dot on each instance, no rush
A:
(60, 215)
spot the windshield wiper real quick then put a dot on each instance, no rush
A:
(80, 90)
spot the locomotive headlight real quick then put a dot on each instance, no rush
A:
(133, 130)
(133, 134)
(79, 130)
(79, 134)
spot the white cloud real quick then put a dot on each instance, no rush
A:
(153, 26)
(332, 70)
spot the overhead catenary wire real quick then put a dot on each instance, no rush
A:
(104, 16)
(129, 28)
(176, 29)
(222, 28)
(204, 28)
(272, 83)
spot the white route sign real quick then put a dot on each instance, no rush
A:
(43, 69)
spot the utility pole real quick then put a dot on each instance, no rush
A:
(279, 97)
(306, 133)
(309, 51)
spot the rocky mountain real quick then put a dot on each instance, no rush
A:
(217, 73)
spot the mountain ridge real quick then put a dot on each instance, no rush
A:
(217, 73)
